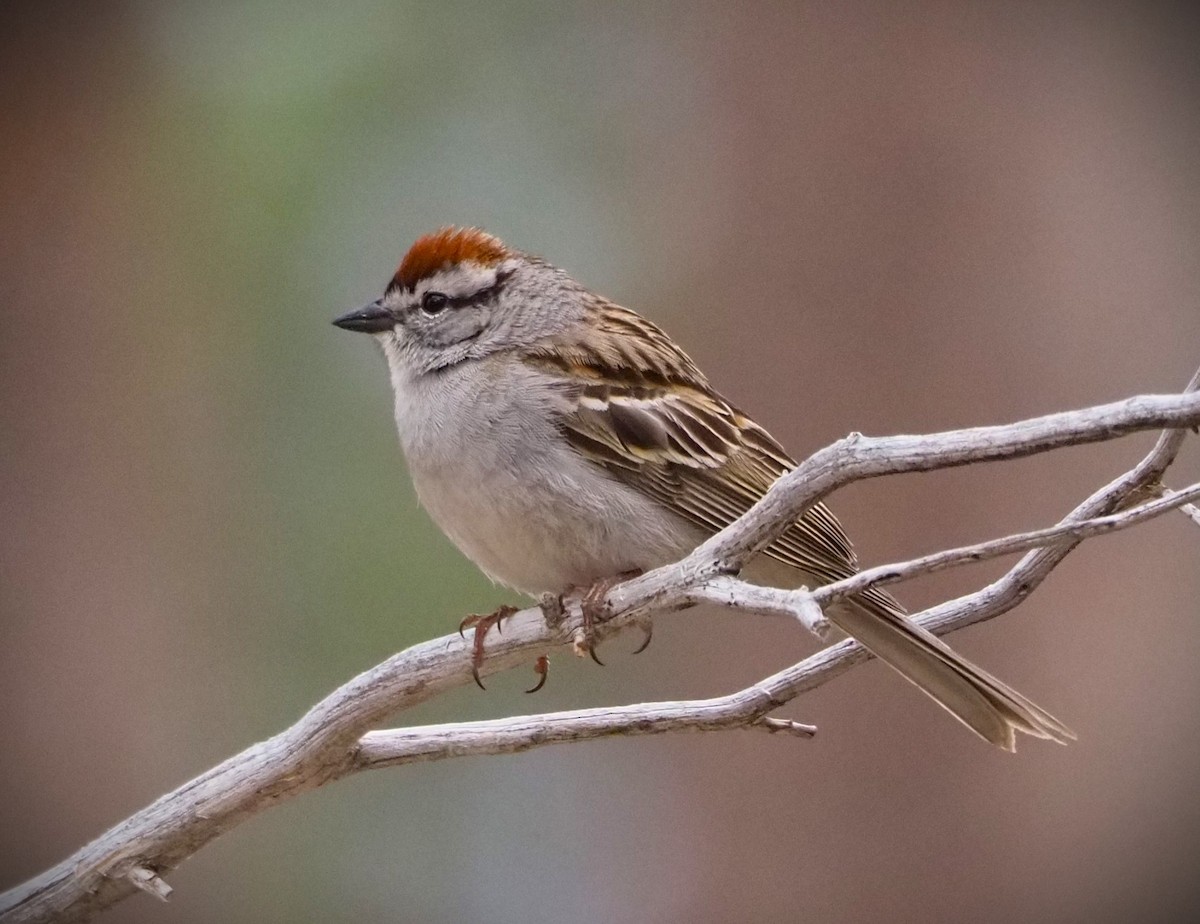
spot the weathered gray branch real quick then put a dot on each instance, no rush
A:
(335, 737)
(1191, 511)
(995, 548)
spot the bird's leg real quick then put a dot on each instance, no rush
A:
(481, 624)
(553, 608)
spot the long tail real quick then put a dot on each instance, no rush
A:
(990, 708)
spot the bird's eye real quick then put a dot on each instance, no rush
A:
(434, 302)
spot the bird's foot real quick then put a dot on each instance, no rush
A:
(481, 624)
(594, 610)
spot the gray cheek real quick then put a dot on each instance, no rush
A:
(464, 324)
(417, 333)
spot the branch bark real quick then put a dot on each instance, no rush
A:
(335, 737)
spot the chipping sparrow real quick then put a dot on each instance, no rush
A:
(559, 439)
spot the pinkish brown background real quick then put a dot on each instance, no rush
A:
(875, 216)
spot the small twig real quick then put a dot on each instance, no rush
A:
(150, 882)
(396, 746)
(785, 725)
(995, 548)
(1191, 511)
(737, 594)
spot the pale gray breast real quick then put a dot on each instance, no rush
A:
(492, 469)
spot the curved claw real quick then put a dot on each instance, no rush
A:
(477, 650)
(473, 620)
(541, 667)
(592, 653)
(481, 624)
(648, 628)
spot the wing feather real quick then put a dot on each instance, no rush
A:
(646, 414)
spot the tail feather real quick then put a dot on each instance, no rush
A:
(986, 705)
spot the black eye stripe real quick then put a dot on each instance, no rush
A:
(441, 301)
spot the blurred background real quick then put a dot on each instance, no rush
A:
(874, 216)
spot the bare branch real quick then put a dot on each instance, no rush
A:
(1005, 593)
(334, 738)
(1191, 511)
(858, 457)
(396, 746)
(995, 548)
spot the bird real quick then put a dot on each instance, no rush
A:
(559, 439)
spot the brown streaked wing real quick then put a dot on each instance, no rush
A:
(646, 414)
